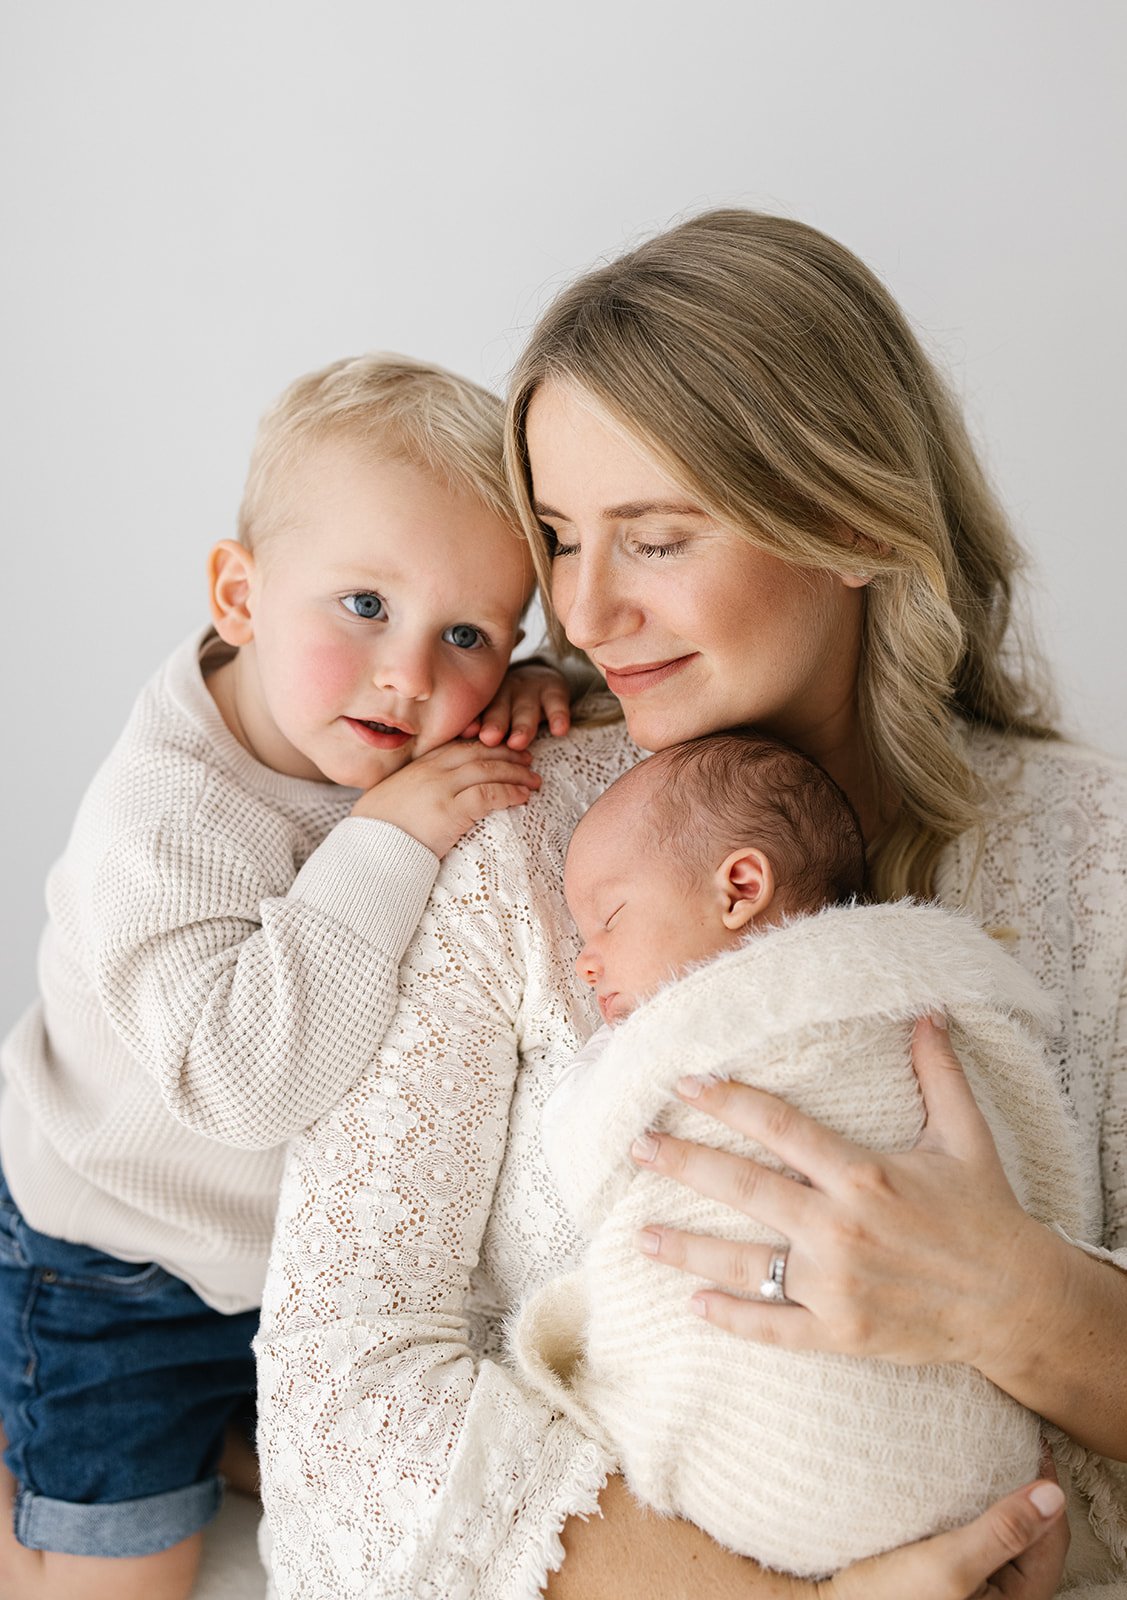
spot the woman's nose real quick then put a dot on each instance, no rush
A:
(591, 600)
(406, 668)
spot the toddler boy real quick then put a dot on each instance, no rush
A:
(731, 865)
(225, 930)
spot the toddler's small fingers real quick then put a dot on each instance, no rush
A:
(557, 709)
(522, 733)
(487, 797)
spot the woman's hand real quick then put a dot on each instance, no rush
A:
(914, 1257)
(919, 1257)
(1015, 1550)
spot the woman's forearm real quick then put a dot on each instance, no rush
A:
(631, 1553)
(1059, 1346)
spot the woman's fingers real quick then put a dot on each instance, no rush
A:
(991, 1556)
(954, 1121)
(779, 1202)
(801, 1143)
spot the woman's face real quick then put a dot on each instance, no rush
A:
(692, 627)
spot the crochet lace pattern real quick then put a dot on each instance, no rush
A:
(401, 1456)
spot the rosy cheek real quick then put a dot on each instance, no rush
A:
(322, 672)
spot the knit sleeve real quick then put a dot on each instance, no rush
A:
(397, 1463)
(254, 1010)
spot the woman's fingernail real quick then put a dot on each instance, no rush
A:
(698, 1306)
(690, 1088)
(644, 1147)
(648, 1241)
(1048, 1498)
(938, 1020)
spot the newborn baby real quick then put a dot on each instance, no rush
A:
(714, 887)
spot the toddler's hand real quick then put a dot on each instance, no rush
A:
(530, 694)
(439, 797)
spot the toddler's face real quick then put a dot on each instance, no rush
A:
(641, 922)
(384, 611)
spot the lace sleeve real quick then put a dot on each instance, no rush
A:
(395, 1463)
(1113, 1151)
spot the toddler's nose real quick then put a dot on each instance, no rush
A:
(409, 674)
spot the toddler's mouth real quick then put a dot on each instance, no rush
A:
(384, 734)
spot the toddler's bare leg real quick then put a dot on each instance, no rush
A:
(45, 1575)
(238, 1464)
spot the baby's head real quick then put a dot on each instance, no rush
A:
(697, 847)
(375, 590)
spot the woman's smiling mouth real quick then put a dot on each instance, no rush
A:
(636, 680)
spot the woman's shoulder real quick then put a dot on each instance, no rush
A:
(530, 841)
(1049, 780)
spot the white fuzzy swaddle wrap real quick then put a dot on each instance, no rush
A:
(805, 1461)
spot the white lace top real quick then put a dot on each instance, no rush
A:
(401, 1456)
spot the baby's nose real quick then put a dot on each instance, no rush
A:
(587, 967)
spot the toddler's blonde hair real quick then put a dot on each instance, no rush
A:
(394, 406)
(773, 375)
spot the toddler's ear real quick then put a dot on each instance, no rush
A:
(230, 568)
(747, 887)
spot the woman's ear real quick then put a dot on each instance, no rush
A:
(747, 887)
(861, 545)
(230, 573)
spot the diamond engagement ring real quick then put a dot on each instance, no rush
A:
(773, 1286)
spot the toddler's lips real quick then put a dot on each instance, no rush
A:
(380, 735)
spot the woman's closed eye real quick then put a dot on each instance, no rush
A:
(556, 546)
(364, 604)
(674, 547)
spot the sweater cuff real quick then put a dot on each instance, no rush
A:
(373, 877)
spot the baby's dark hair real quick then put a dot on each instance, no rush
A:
(724, 790)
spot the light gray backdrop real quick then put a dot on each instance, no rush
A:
(201, 201)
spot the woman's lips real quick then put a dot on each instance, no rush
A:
(624, 681)
(379, 734)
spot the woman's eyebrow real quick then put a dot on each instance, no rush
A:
(631, 510)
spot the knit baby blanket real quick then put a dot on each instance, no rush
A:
(804, 1461)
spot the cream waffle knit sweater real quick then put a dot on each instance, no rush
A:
(863, 1455)
(219, 966)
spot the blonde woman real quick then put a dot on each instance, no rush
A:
(751, 500)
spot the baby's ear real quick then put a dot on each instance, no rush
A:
(230, 570)
(747, 887)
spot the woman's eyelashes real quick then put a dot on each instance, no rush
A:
(671, 549)
(364, 604)
(639, 547)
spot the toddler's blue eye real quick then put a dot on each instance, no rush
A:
(464, 637)
(365, 605)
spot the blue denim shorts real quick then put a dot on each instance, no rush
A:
(117, 1383)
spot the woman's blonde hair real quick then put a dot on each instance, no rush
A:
(392, 405)
(774, 376)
